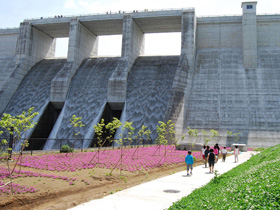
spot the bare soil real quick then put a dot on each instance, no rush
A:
(59, 194)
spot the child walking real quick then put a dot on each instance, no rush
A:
(203, 153)
(216, 152)
(236, 153)
(224, 152)
(206, 152)
(189, 162)
(211, 160)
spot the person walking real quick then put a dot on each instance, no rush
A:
(217, 145)
(211, 160)
(203, 152)
(224, 153)
(236, 153)
(216, 152)
(189, 162)
(206, 152)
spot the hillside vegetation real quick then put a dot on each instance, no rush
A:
(254, 184)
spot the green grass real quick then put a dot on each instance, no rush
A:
(254, 184)
(260, 149)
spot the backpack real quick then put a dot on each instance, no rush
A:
(206, 153)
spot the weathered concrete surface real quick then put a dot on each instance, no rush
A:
(87, 99)
(227, 97)
(149, 89)
(132, 47)
(32, 46)
(82, 44)
(34, 89)
(249, 32)
(176, 104)
(8, 41)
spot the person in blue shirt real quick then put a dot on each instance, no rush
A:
(189, 162)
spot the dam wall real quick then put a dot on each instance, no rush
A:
(32, 46)
(87, 99)
(82, 44)
(132, 47)
(8, 41)
(219, 32)
(225, 78)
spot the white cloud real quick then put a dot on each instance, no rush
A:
(70, 4)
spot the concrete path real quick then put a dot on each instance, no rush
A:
(152, 196)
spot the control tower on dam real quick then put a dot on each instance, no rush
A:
(227, 76)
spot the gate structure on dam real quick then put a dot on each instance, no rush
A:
(227, 76)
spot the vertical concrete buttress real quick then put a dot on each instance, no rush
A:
(177, 101)
(132, 47)
(82, 44)
(32, 46)
(249, 34)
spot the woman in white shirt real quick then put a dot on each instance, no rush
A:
(236, 153)
(224, 152)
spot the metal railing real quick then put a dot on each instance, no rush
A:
(113, 13)
(37, 144)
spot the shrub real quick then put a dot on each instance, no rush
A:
(66, 149)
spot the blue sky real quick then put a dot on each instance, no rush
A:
(12, 12)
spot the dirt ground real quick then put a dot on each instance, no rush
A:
(59, 194)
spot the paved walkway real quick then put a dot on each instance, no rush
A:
(152, 196)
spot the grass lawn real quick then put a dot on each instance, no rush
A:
(254, 184)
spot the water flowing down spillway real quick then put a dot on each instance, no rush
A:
(227, 97)
(34, 90)
(148, 91)
(86, 98)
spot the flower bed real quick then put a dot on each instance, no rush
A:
(18, 189)
(133, 159)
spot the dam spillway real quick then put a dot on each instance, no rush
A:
(225, 78)
(86, 98)
(34, 88)
(148, 90)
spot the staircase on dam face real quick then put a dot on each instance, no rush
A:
(149, 88)
(227, 97)
(34, 90)
(87, 98)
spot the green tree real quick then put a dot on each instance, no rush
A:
(112, 127)
(166, 134)
(236, 137)
(76, 123)
(17, 126)
(99, 130)
(193, 136)
(130, 131)
(109, 130)
(139, 137)
(205, 137)
(214, 135)
(229, 133)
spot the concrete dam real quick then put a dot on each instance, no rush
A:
(226, 78)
